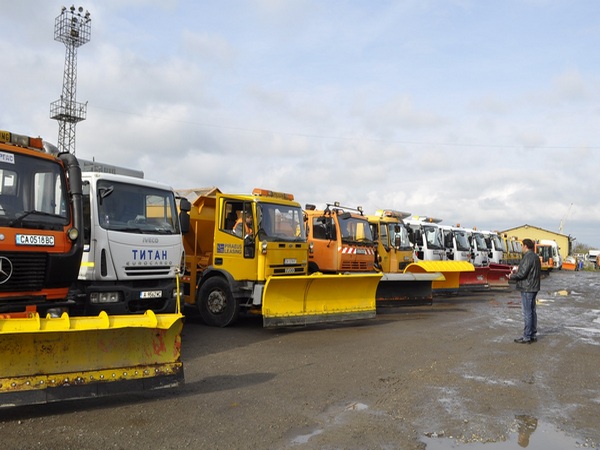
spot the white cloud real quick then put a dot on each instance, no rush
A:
(475, 112)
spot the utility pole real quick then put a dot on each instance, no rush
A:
(72, 28)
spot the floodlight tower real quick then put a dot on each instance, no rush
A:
(72, 28)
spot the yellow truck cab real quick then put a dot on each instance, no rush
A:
(394, 250)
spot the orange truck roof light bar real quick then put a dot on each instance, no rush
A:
(273, 194)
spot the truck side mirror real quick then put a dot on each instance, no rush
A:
(184, 217)
(185, 205)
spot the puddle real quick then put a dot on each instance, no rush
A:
(303, 439)
(526, 433)
(335, 416)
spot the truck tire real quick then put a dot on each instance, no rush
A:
(216, 304)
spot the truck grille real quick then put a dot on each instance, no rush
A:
(151, 271)
(28, 271)
(287, 270)
(357, 266)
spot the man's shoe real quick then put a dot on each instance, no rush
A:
(523, 341)
(534, 339)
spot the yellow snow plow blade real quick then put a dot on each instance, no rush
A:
(53, 359)
(449, 269)
(406, 289)
(319, 298)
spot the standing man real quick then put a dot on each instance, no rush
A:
(527, 276)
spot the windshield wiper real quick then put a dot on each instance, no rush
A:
(161, 231)
(125, 229)
(19, 220)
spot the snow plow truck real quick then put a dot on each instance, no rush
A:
(394, 254)
(430, 255)
(47, 353)
(341, 241)
(249, 253)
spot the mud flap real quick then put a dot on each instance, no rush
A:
(498, 275)
(406, 289)
(450, 270)
(319, 298)
(475, 281)
(54, 359)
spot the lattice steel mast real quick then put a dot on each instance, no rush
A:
(73, 29)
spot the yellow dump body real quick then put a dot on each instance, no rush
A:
(450, 270)
(53, 359)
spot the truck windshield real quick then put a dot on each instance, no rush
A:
(133, 208)
(498, 244)
(462, 241)
(32, 192)
(280, 223)
(433, 235)
(480, 241)
(404, 241)
(355, 230)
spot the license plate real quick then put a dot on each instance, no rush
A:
(35, 239)
(150, 294)
(288, 261)
(361, 251)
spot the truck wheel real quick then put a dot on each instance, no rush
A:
(216, 304)
(312, 267)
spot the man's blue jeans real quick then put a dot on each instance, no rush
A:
(529, 315)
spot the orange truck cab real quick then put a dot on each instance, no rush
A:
(340, 240)
(40, 223)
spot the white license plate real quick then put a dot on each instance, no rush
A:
(150, 294)
(35, 239)
(288, 261)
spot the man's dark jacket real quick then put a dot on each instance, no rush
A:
(528, 274)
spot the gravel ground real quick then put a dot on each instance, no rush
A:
(411, 375)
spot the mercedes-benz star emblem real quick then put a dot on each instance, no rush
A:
(6, 269)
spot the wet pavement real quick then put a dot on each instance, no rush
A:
(440, 377)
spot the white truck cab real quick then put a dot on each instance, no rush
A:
(456, 243)
(479, 248)
(133, 250)
(426, 237)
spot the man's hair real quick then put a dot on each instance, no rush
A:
(529, 243)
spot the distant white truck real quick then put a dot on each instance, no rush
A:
(592, 257)
(556, 258)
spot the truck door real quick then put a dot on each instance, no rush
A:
(235, 241)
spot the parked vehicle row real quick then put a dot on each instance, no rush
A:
(95, 253)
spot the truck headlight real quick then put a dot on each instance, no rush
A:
(73, 234)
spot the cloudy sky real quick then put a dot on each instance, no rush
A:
(485, 113)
